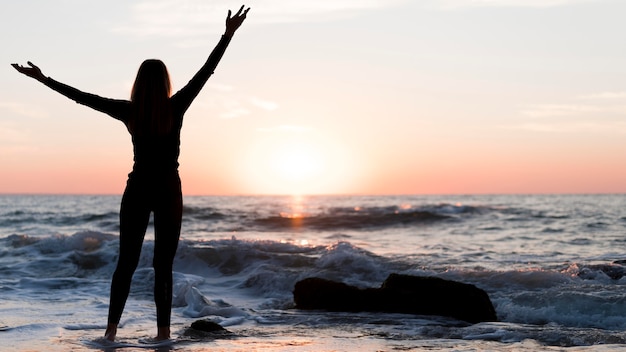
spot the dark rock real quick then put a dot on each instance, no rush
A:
(399, 294)
(435, 296)
(206, 326)
(206, 330)
(317, 293)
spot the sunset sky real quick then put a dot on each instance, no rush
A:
(328, 96)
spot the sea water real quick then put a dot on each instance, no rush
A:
(551, 264)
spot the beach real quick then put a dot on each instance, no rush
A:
(551, 265)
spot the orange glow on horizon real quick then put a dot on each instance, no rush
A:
(295, 165)
(259, 180)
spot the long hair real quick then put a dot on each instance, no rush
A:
(151, 112)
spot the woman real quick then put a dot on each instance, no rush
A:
(154, 119)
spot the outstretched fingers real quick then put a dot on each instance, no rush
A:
(19, 68)
(33, 71)
(239, 15)
(239, 12)
(234, 22)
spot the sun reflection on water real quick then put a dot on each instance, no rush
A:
(295, 213)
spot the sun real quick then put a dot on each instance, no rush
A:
(296, 163)
(288, 166)
(295, 166)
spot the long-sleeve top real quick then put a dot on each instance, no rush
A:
(151, 153)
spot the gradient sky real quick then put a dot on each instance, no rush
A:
(328, 96)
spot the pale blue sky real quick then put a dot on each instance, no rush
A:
(380, 96)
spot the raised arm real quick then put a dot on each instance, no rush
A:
(115, 108)
(184, 97)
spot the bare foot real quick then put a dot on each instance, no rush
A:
(163, 333)
(110, 332)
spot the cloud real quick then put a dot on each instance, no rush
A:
(235, 113)
(234, 107)
(456, 4)
(10, 135)
(230, 105)
(592, 113)
(188, 18)
(586, 127)
(220, 87)
(23, 110)
(605, 96)
(603, 103)
(286, 128)
(264, 104)
(14, 142)
(551, 110)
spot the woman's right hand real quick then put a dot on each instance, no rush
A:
(32, 71)
(233, 23)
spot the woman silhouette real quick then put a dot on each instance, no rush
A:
(154, 119)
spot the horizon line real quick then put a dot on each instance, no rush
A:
(332, 194)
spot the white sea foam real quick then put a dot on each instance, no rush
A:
(547, 263)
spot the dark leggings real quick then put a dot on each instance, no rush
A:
(143, 195)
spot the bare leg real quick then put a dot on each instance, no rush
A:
(163, 333)
(110, 332)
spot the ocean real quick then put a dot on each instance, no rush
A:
(551, 264)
